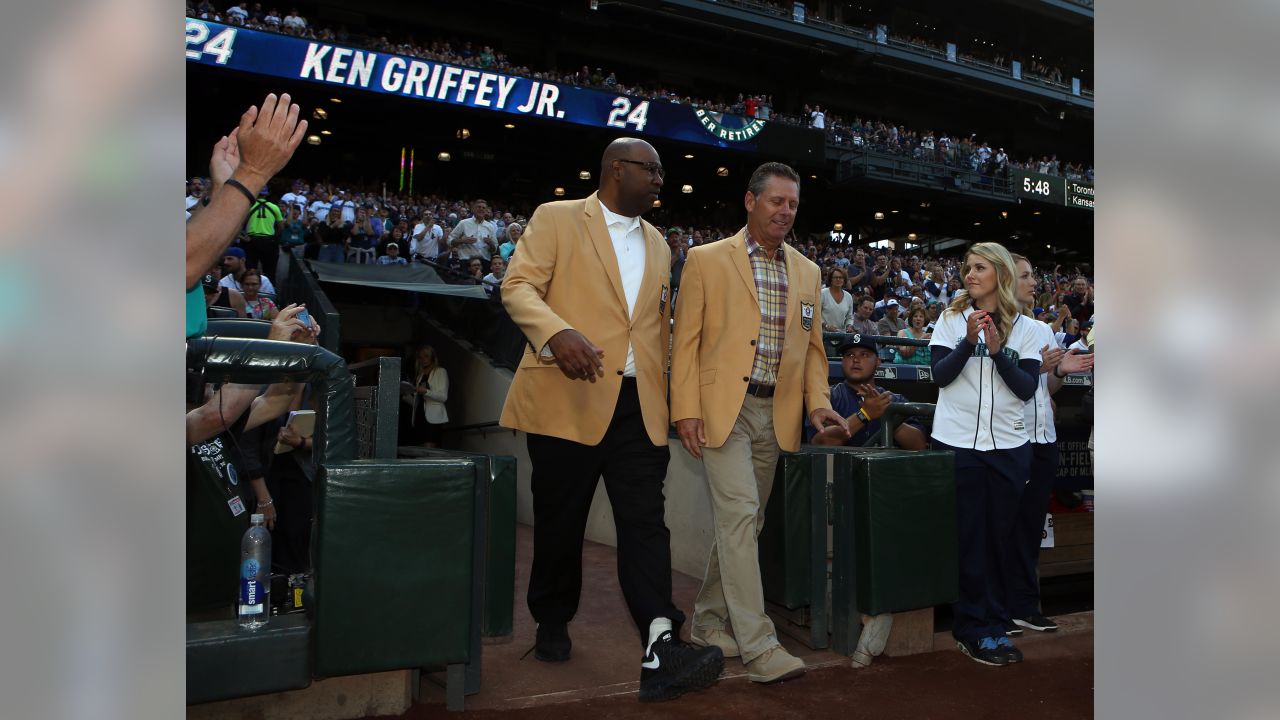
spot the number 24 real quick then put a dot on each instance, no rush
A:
(638, 117)
(219, 46)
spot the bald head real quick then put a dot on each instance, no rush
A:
(630, 176)
(623, 148)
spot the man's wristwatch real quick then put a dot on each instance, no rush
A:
(862, 415)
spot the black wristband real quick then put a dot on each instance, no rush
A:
(1058, 374)
(247, 193)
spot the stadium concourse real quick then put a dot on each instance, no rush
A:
(429, 163)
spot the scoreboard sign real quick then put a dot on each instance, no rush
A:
(265, 53)
(1051, 189)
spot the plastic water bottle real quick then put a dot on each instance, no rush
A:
(255, 574)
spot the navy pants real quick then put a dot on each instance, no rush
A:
(989, 486)
(1023, 584)
(564, 479)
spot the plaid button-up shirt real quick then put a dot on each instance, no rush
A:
(771, 290)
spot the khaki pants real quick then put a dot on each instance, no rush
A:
(740, 475)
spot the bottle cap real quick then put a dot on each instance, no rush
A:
(257, 518)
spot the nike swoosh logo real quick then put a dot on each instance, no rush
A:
(651, 664)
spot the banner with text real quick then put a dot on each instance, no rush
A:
(266, 53)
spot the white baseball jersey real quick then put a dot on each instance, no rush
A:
(1038, 412)
(977, 410)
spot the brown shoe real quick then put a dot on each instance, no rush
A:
(774, 665)
(715, 636)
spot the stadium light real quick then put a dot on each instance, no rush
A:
(838, 227)
(325, 132)
(444, 157)
(879, 216)
(895, 212)
(911, 236)
(1004, 214)
(584, 175)
(686, 189)
(976, 224)
(722, 171)
(688, 156)
(559, 192)
(657, 203)
(336, 100)
(313, 139)
(463, 134)
(509, 126)
(1036, 212)
(320, 114)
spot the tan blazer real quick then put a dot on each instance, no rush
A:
(717, 326)
(564, 274)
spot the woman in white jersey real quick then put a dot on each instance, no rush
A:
(1022, 583)
(986, 362)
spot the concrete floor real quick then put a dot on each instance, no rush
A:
(602, 677)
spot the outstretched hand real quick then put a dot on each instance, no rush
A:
(268, 137)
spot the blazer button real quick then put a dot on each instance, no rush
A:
(746, 379)
(753, 342)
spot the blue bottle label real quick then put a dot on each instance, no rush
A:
(251, 589)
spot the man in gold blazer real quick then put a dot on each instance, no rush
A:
(590, 288)
(747, 360)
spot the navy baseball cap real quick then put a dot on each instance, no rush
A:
(858, 340)
(234, 252)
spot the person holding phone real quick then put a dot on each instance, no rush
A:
(986, 362)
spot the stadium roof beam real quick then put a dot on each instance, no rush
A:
(806, 35)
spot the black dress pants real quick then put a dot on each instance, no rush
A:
(1023, 584)
(564, 479)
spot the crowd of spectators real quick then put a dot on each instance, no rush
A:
(985, 156)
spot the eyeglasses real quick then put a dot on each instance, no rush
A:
(652, 167)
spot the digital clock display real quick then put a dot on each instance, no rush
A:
(1051, 189)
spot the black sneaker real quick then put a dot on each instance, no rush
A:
(1037, 622)
(985, 651)
(1012, 629)
(1011, 652)
(553, 642)
(673, 668)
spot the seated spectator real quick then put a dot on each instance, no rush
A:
(916, 329)
(236, 266)
(218, 295)
(892, 323)
(862, 402)
(513, 232)
(257, 306)
(393, 256)
(475, 270)
(862, 322)
(294, 24)
(497, 271)
(1069, 334)
(396, 236)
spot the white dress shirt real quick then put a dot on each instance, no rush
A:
(628, 247)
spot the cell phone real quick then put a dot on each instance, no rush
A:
(305, 317)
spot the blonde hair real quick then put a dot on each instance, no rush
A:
(417, 364)
(1025, 309)
(1007, 305)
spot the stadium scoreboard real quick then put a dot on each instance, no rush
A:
(1036, 186)
(265, 53)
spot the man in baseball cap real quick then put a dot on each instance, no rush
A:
(862, 402)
